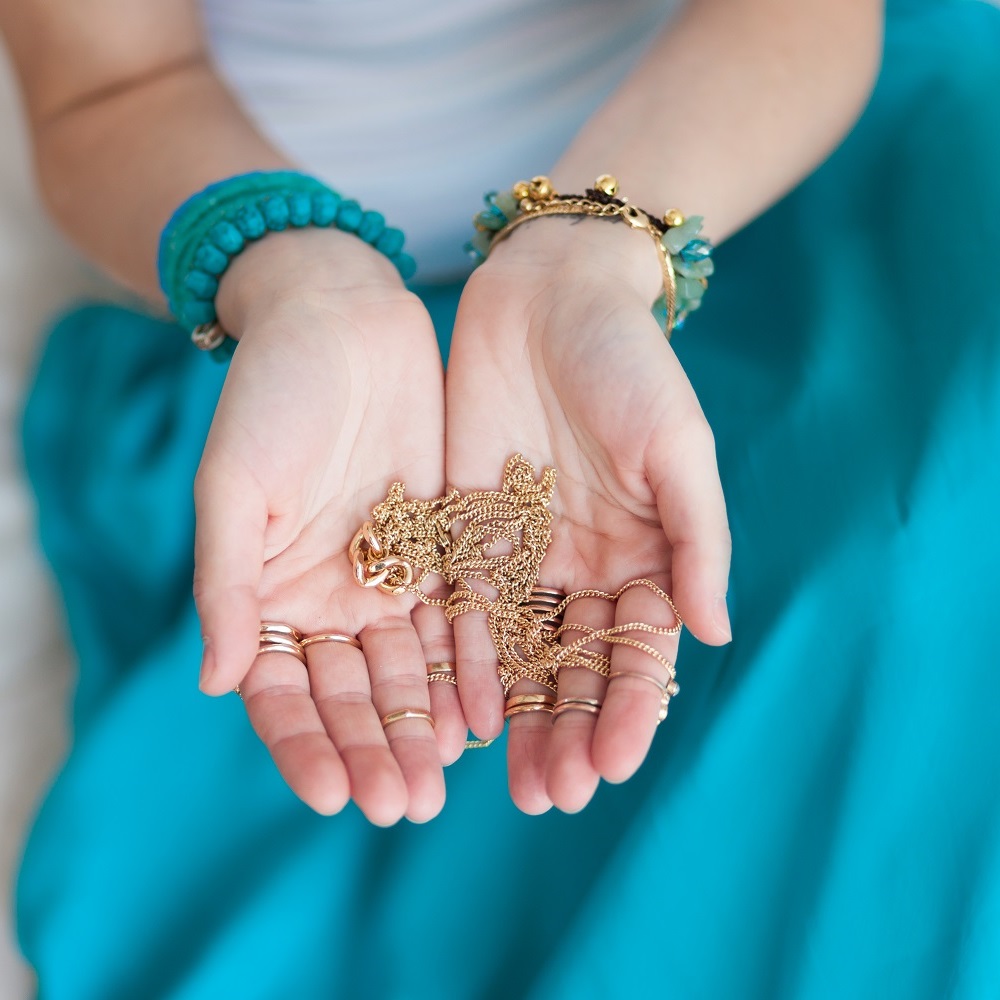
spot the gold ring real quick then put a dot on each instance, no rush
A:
(442, 673)
(274, 645)
(349, 640)
(521, 709)
(591, 705)
(519, 703)
(667, 691)
(278, 628)
(406, 713)
(655, 681)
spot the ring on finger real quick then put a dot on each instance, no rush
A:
(443, 672)
(275, 637)
(349, 640)
(563, 705)
(667, 691)
(520, 703)
(406, 713)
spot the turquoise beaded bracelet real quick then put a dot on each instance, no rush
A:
(214, 225)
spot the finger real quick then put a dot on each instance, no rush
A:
(341, 690)
(399, 683)
(692, 511)
(438, 643)
(276, 694)
(571, 777)
(478, 681)
(630, 713)
(228, 559)
(527, 751)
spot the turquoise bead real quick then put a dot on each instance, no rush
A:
(349, 216)
(299, 210)
(194, 312)
(201, 285)
(224, 351)
(405, 264)
(324, 208)
(471, 251)
(490, 219)
(275, 212)
(390, 242)
(211, 259)
(227, 237)
(372, 226)
(696, 250)
(250, 222)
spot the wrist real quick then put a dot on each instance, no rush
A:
(305, 265)
(552, 247)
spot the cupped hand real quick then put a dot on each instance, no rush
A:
(556, 355)
(334, 392)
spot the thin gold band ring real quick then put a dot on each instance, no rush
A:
(406, 713)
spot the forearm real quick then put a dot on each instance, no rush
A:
(112, 171)
(127, 119)
(734, 104)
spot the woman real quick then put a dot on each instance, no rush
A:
(821, 315)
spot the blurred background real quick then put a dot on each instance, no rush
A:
(39, 276)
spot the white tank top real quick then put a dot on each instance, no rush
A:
(417, 108)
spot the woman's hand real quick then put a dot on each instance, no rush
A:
(556, 355)
(335, 391)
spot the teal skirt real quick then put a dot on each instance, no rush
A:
(820, 817)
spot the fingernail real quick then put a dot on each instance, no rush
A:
(207, 665)
(720, 616)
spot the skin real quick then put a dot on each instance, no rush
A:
(554, 354)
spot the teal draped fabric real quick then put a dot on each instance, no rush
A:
(820, 816)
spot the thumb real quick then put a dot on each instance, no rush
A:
(231, 516)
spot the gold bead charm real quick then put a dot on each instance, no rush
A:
(607, 184)
(521, 190)
(673, 218)
(541, 188)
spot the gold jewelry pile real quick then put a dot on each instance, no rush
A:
(497, 539)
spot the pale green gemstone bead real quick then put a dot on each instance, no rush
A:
(675, 239)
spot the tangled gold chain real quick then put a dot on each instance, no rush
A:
(496, 538)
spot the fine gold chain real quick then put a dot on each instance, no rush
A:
(497, 539)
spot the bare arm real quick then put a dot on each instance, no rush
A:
(732, 106)
(128, 118)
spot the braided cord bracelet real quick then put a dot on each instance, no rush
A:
(685, 256)
(215, 225)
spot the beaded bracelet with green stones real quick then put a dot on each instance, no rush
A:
(685, 256)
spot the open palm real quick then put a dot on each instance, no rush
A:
(572, 371)
(329, 399)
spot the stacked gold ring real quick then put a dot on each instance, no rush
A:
(667, 691)
(563, 705)
(543, 603)
(520, 703)
(443, 672)
(278, 638)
